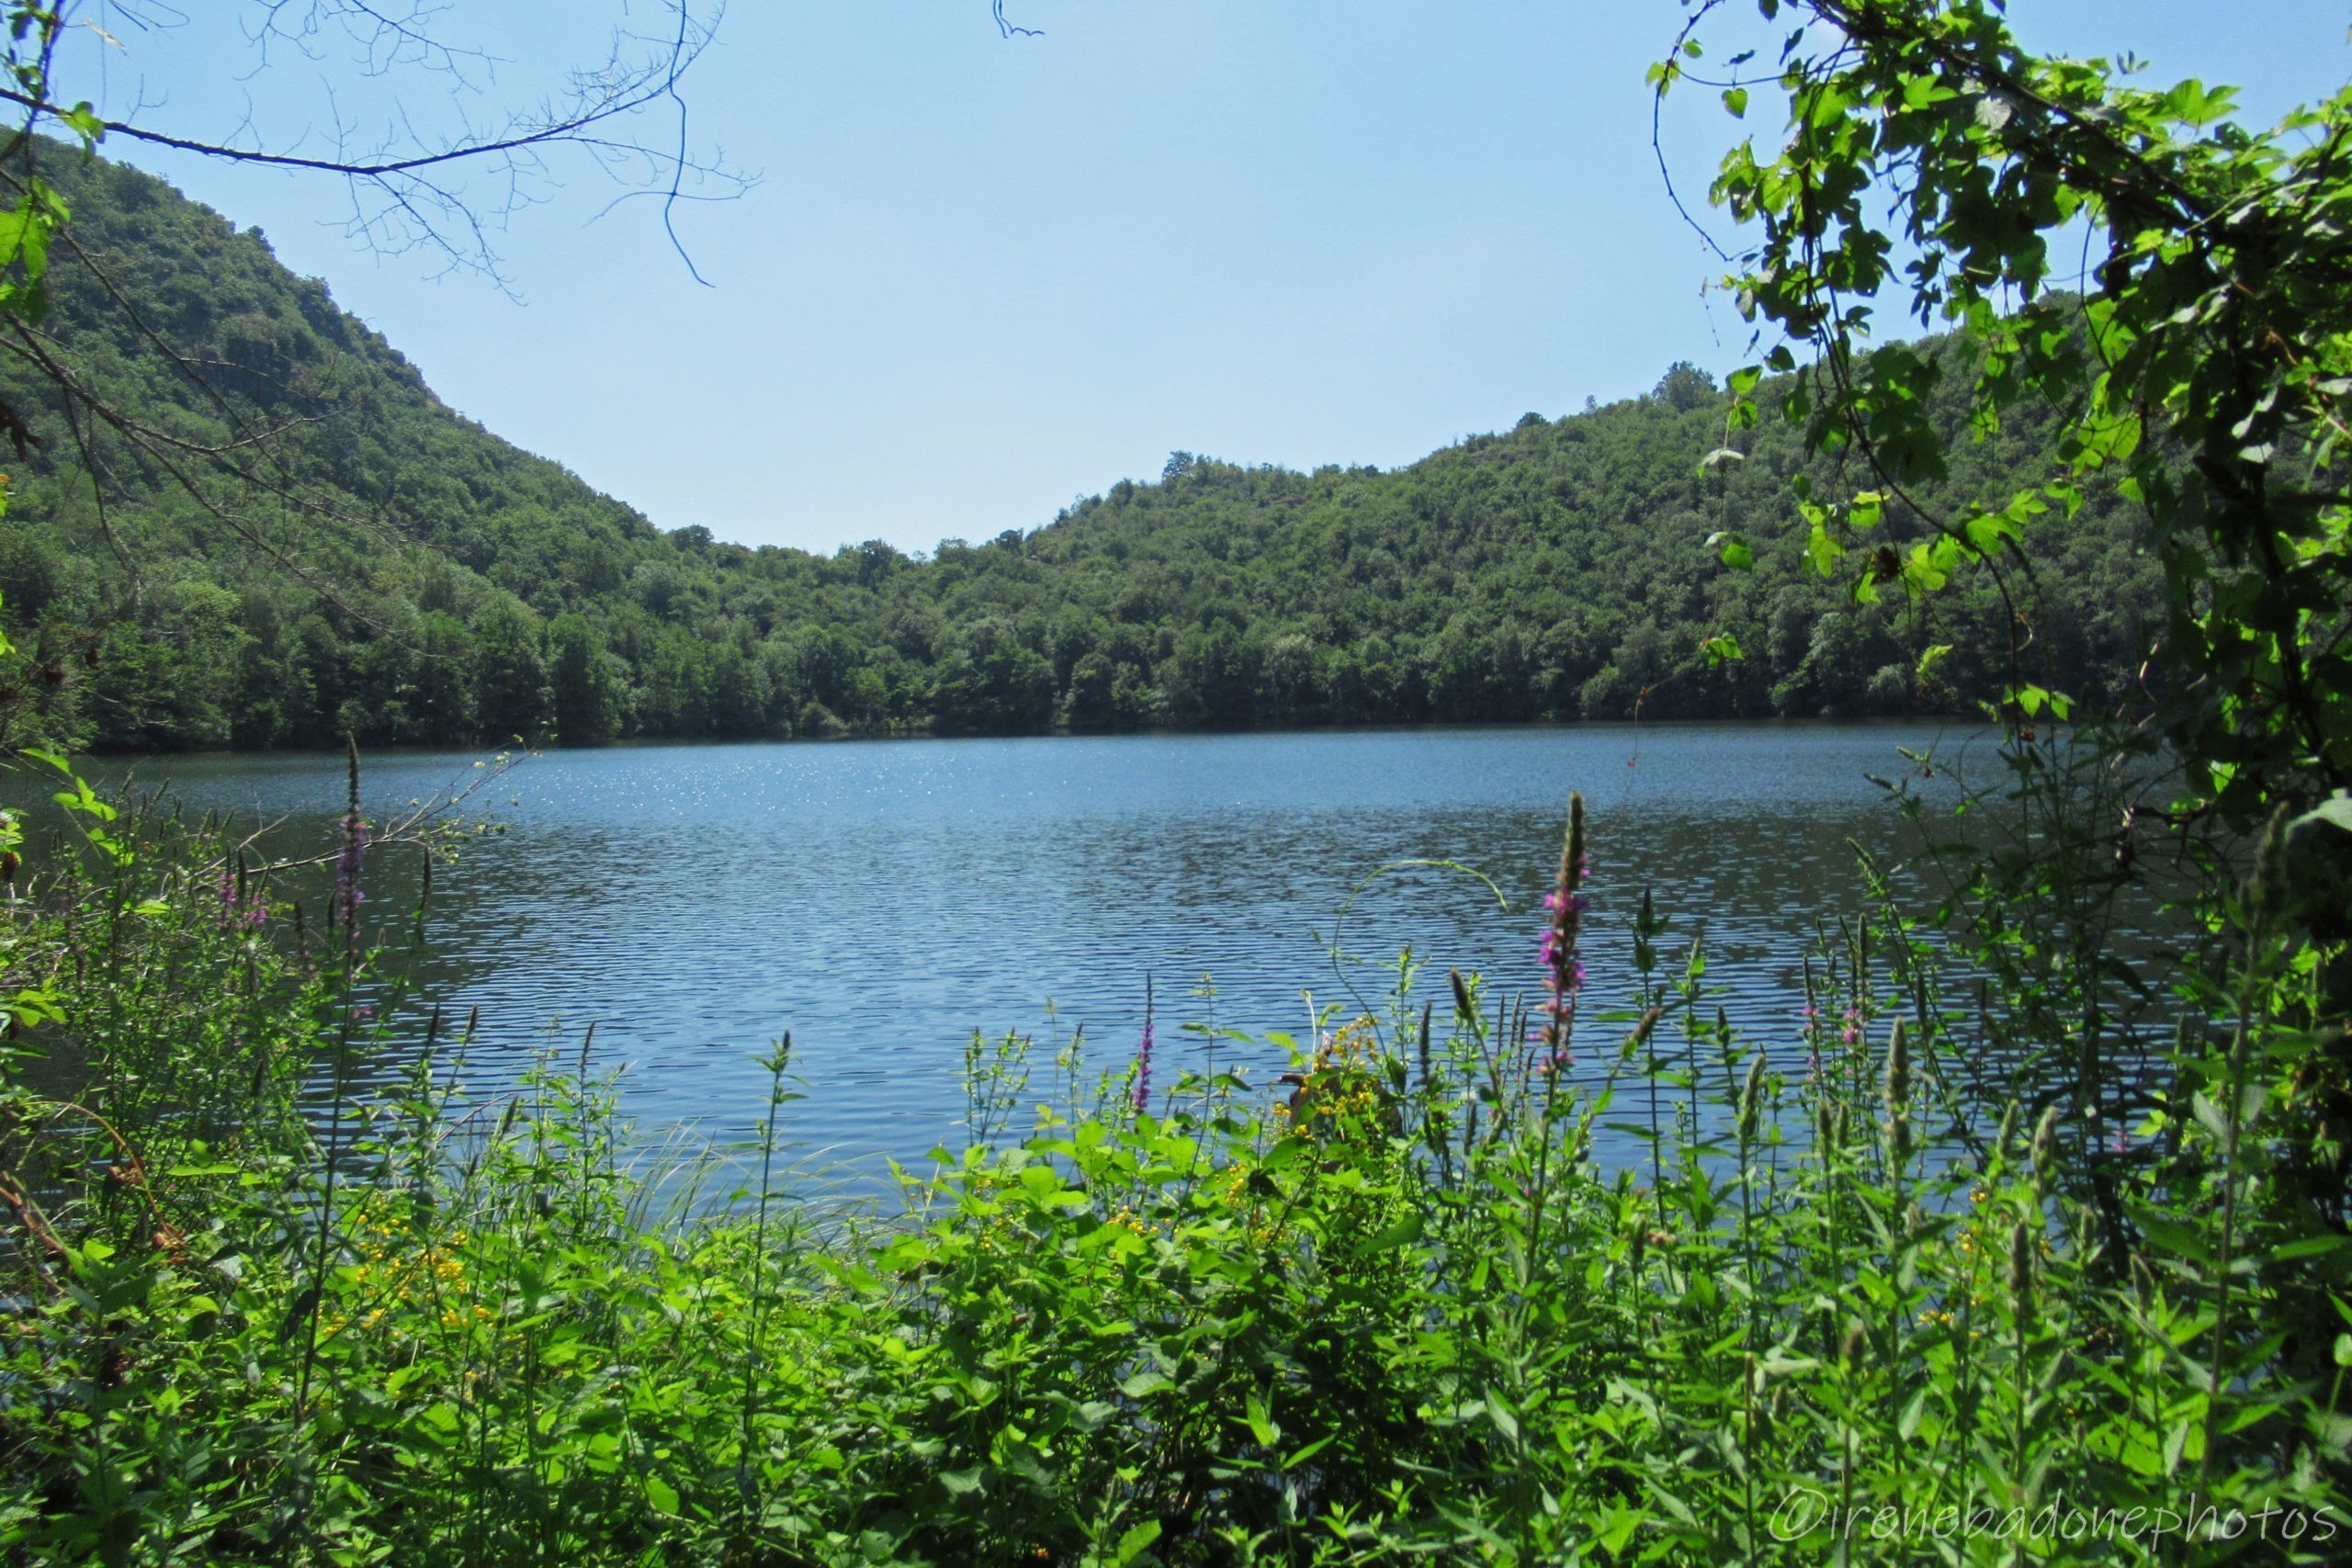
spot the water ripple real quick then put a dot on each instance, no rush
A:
(881, 900)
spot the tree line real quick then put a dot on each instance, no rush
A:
(341, 554)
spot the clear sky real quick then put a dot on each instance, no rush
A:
(982, 276)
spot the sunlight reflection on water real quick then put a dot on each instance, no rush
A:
(881, 899)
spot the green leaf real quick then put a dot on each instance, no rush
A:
(1302, 1455)
(87, 124)
(1402, 1233)
(1822, 550)
(2173, 1235)
(1733, 551)
(1617, 1532)
(1139, 1540)
(1735, 100)
(2334, 811)
(662, 1496)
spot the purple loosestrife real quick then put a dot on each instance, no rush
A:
(351, 858)
(241, 909)
(348, 862)
(1142, 1053)
(1563, 968)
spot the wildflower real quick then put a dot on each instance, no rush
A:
(1142, 1053)
(1563, 970)
(347, 864)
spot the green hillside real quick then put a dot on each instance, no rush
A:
(371, 562)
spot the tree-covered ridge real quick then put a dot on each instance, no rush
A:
(379, 566)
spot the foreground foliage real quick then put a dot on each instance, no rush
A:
(1405, 1310)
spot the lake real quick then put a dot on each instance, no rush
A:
(882, 899)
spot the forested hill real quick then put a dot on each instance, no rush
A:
(382, 567)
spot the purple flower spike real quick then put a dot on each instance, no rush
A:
(1563, 968)
(1142, 1053)
(347, 866)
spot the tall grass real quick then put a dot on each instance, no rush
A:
(1405, 1305)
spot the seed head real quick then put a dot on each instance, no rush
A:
(1752, 1099)
(2266, 887)
(2020, 1273)
(1898, 1069)
(2045, 1144)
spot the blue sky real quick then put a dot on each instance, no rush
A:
(981, 278)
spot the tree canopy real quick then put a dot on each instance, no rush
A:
(384, 568)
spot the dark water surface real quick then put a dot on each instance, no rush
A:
(882, 899)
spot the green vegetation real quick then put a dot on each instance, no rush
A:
(381, 567)
(2043, 1254)
(1403, 1312)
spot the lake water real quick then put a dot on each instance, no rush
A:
(882, 899)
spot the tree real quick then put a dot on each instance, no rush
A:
(2204, 374)
(2214, 333)
(510, 675)
(623, 116)
(1684, 386)
(992, 684)
(583, 684)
